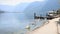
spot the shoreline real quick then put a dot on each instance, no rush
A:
(49, 27)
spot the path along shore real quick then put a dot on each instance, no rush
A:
(50, 28)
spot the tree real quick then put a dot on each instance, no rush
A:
(58, 11)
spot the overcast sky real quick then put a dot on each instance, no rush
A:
(14, 2)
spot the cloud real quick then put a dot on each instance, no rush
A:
(14, 2)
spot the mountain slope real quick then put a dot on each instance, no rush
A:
(41, 8)
(7, 8)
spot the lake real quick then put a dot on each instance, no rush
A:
(14, 22)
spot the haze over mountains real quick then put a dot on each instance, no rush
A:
(41, 8)
(6, 8)
(29, 8)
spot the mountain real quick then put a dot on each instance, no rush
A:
(33, 8)
(40, 8)
(7, 8)
(51, 5)
(18, 8)
(21, 7)
(28, 9)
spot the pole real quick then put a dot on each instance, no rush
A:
(58, 22)
(57, 29)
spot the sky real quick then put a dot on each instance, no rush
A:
(14, 2)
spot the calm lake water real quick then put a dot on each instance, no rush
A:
(14, 22)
